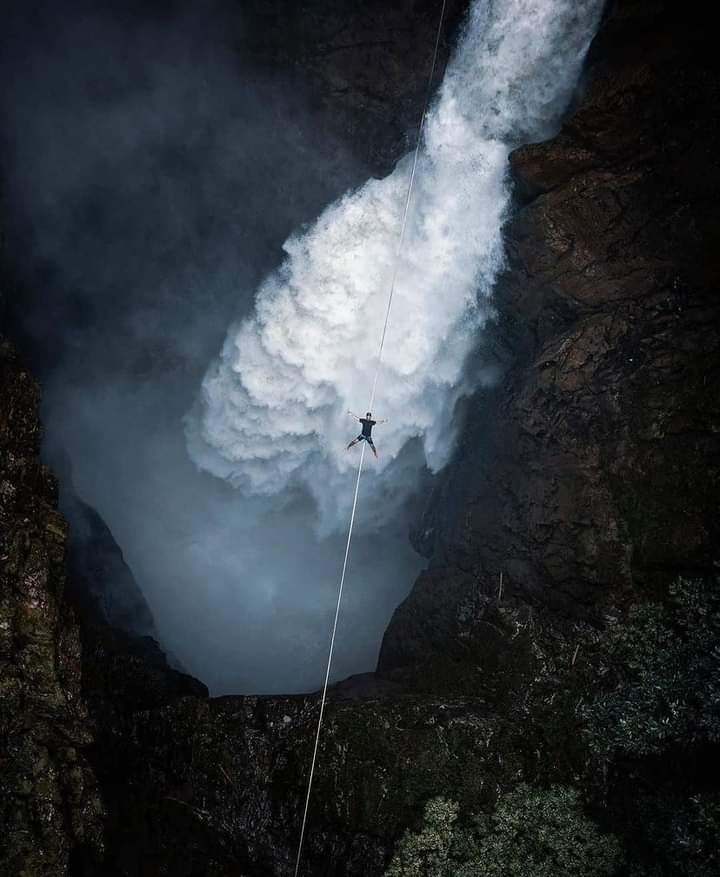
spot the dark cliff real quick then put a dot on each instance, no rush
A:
(589, 476)
(49, 801)
(566, 632)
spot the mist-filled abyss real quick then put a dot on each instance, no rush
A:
(152, 182)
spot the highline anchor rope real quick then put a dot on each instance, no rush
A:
(378, 364)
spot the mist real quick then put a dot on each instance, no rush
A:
(168, 202)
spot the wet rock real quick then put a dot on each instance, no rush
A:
(585, 480)
(365, 65)
(50, 805)
(588, 476)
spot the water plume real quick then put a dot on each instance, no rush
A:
(273, 407)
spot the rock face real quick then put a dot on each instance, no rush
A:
(584, 481)
(590, 475)
(365, 64)
(50, 807)
(63, 684)
(98, 575)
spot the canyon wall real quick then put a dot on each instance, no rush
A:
(584, 483)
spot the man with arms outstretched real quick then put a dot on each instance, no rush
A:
(366, 434)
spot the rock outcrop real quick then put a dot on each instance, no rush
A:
(589, 476)
(365, 65)
(50, 806)
(584, 482)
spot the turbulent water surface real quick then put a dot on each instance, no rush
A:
(274, 406)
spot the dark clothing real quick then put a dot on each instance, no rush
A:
(367, 427)
(366, 434)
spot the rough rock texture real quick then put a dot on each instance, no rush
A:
(365, 64)
(586, 479)
(590, 475)
(62, 685)
(198, 786)
(50, 808)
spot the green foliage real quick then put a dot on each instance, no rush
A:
(695, 830)
(662, 676)
(684, 841)
(651, 683)
(654, 719)
(543, 833)
(533, 833)
(429, 851)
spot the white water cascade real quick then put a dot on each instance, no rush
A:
(273, 408)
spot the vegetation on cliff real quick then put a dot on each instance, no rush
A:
(531, 833)
(568, 725)
(648, 716)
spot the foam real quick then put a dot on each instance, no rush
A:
(272, 411)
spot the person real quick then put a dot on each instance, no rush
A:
(366, 434)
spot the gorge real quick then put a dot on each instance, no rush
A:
(559, 654)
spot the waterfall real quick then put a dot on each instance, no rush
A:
(273, 407)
